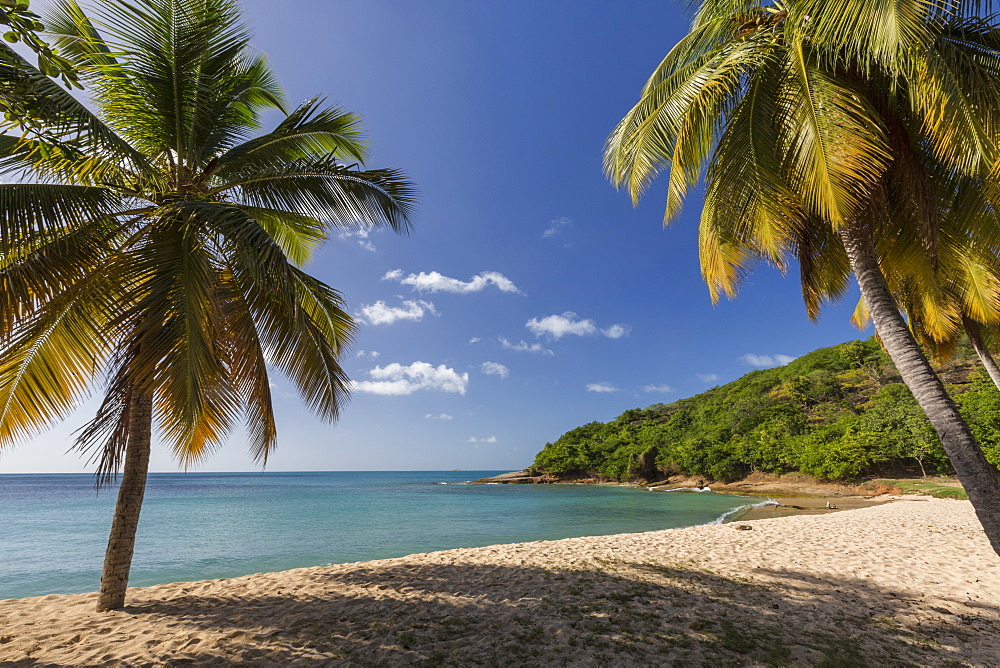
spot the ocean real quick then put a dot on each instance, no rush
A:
(197, 526)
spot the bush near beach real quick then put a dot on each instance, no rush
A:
(837, 413)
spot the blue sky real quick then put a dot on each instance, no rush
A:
(530, 297)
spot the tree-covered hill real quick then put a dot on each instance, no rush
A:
(836, 413)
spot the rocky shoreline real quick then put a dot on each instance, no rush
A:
(791, 485)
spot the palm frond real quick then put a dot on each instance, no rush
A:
(329, 191)
(310, 131)
(48, 362)
(833, 141)
(39, 211)
(869, 34)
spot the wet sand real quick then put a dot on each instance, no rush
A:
(792, 506)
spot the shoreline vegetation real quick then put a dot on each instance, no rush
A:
(837, 415)
(692, 596)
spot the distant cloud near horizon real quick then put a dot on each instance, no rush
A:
(436, 282)
(764, 361)
(439, 416)
(657, 388)
(557, 326)
(491, 439)
(398, 380)
(555, 226)
(707, 377)
(381, 313)
(495, 369)
(602, 387)
(524, 347)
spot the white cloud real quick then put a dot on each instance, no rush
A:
(474, 339)
(602, 387)
(495, 369)
(707, 377)
(361, 236)
(381, 313)
(525, 347)
(436, 282)
(369, 354)
(558, 326)
(555, 226)
(657, 388)
(617, 331)
(439, 416)
(397, 380)
(766, 360)
(491, 439)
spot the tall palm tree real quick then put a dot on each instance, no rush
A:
(816, 121)
(160, 245)
(947, 289)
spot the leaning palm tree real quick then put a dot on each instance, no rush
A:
(159, 245)
(952, 289)
(817, 121)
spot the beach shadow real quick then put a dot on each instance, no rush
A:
(601, 613)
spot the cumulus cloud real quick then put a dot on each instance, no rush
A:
(555, 226)
(764, 361)
(361, 236)
(558, 326)
(525, 347)
(602, 387)
(490, 439)
(368, 354)
(474, 339)
(495, 369)
(381, 313)
(436, 282)
(616, 331)
(398, 380)
(707, 377)
(439, 416)
(657, 388)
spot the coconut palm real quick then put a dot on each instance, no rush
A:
(947, 290)
(159, 245)
(817, 123)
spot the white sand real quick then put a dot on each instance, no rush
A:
(910, 582)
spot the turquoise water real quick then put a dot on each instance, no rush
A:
(196, 526)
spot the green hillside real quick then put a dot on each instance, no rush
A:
(837, 413)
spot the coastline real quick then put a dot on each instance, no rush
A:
(905, 582)
(787, 495)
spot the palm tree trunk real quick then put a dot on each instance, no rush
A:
(976, 337)
(979, 478)
(118, 558)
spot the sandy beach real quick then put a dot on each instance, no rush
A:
(908, 582)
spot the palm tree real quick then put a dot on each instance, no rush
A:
(952, 289)
(819, 124)
(160, 245)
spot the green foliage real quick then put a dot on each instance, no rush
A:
(829, 414)
(981, 409)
